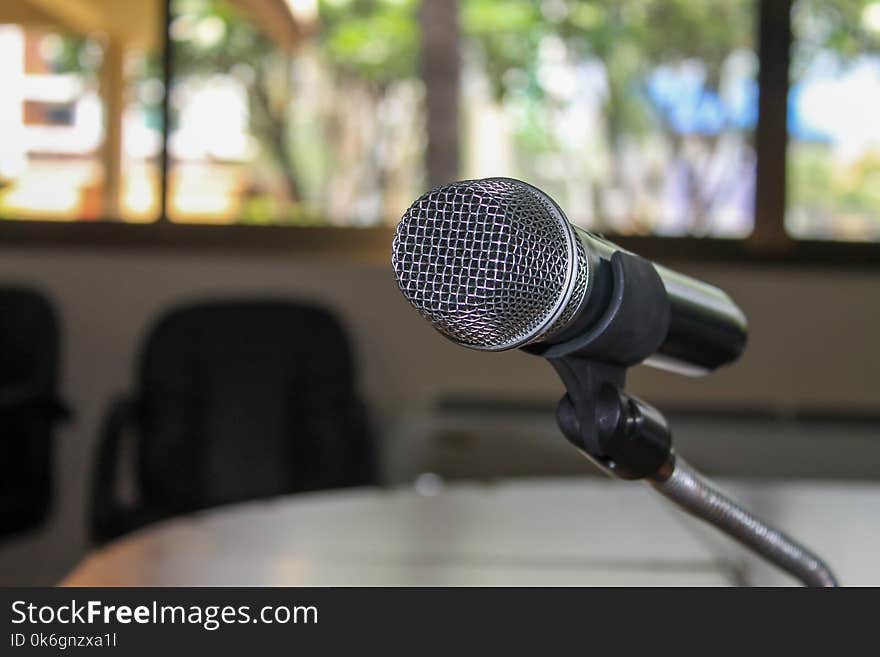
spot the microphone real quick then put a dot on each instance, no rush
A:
(494, 264)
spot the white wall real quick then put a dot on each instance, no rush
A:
(813, 343)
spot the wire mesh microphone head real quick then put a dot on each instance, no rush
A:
(493, 264)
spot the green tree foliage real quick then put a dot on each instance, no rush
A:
(830, 197)
(210, 37)
(630, 38)
(372, 42)
(375, 40)
(836, 28)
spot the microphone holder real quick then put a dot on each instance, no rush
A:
(631, 439)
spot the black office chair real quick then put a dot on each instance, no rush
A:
(29, 407)
(235, 401)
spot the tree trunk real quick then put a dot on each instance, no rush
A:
(271, 128)
(440, 71)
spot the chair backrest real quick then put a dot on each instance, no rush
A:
(28, 407)
(241, 400)
(28, 340)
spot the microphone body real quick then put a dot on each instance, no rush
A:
(495, 264)
(705, 330)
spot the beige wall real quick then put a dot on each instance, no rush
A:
(813, 344)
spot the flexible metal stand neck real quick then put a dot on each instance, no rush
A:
(689, 490)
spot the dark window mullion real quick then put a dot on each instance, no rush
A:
(771, 136)
(167, 72)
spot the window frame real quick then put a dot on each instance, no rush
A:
(769, 243)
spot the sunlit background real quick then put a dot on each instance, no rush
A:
(638, 116)
(834, 132)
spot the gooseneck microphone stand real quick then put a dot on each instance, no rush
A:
(630, 439)
(684, 486)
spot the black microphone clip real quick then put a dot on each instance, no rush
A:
(621, 433)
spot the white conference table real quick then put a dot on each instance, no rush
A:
(527, 532)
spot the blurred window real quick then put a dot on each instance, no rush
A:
(834, 121)
(80, 136)
(636, 115)
(318, 121)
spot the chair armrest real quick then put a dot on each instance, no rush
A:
(106, 514)
(25, 400)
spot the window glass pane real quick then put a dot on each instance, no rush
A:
(834, 121)
(79, 113)
(305, 112)
(636, 115)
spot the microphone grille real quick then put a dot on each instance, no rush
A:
(489, 262)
